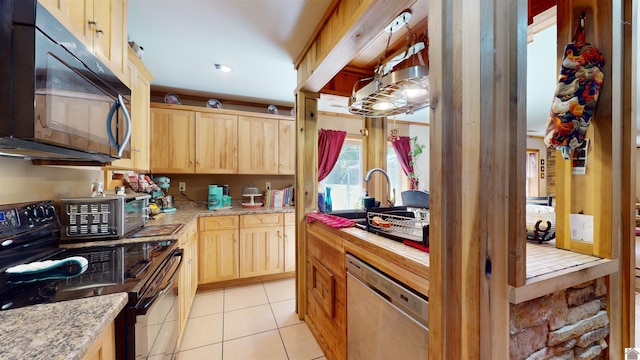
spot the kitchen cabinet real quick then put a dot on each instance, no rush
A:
(327, 291)
(139, 81)
(261, 244)
(104, 348)
(173, 141)
(289, 242)
(260, 156)
(286, 147)
(188, 276)
(101, 25)
(191, 142)
(216, 143)
(218, 251)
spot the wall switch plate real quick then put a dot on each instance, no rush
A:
(182, 186)
(268, 185)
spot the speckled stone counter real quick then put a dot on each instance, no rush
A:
(62, 330)
(184, 215)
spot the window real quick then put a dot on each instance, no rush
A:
(345, 180)
(399, 180)
(533, 187)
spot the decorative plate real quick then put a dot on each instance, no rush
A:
(214, 104)
(172, 99)
(272, 109)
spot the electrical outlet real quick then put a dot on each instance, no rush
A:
(268, 185)
(182, 186)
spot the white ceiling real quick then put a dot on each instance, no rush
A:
(261, 39)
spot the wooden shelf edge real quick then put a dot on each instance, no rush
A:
(559, 280)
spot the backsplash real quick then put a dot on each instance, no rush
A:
(198, 184)
(24, 182)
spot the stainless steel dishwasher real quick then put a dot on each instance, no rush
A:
(385, 319)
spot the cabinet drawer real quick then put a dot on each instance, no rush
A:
(289, 218)
(210, 223)
(260, 220)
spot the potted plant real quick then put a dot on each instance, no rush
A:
(415, 152)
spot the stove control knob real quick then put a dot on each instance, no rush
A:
(38, 213)
(49, 212)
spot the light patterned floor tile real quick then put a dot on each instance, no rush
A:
(245, 296)
(285, 313)
(279, 290)
(209, 352)
(248, 321)
(200, 331)
(207, 303)
(299, 342)
(263, 346)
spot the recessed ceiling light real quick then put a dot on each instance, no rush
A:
(223, 68)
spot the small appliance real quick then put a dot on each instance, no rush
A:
(161, 198)
(102, 217)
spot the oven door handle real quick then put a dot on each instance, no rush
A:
(143, 309)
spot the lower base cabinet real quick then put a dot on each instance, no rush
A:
(105, 347)
(218, 248)
(327, 291)
(188, 276)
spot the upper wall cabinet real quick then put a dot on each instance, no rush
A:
(100, 24)
(139, 80)
(188, 139)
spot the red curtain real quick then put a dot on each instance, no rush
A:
(329, 146)
(402, 147)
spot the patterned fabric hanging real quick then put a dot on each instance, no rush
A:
(576, 94)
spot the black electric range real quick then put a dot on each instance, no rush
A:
(29, 232)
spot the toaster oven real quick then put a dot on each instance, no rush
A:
(102, 218)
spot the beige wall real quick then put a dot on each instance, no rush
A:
(22, 181)
(537, 143)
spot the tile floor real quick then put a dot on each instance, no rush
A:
(248, 322)
(258, 322)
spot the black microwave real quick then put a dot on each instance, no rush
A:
(58, 101)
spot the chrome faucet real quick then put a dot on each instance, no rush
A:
(367, 178)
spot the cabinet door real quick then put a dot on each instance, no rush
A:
(172, 141)
(289, 242)
(287, 147)
(216, 143)
(110, 34)
(259, 153)
(193, 261)
(218, 256)
(261, 251)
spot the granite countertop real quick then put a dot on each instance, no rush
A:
(62, 330)
(185, 214)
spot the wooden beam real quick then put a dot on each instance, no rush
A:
(352, 26)
(474, 63)
(374, 151)
(306, 186)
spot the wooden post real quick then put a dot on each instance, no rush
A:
(375, 156)
(306, 185)
(474, 83)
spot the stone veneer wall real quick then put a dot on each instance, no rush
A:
(568, 324)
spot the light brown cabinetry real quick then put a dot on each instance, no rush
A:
(188, 277)
(261, 154)
(173, 141)
(289, 242)
(216, 143)
(100, 24)
(104, 348)
(139, 81)
(218, 248)
(191, 142)
(326, 289)
(261, 245)
(287, 147)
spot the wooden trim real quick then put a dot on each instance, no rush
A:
(245, 281)
(559, 280)
(306, 184)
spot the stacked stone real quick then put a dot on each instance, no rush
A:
(569, 324)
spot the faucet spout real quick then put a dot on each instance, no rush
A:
(367, 178)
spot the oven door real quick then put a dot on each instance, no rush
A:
(157, 325)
